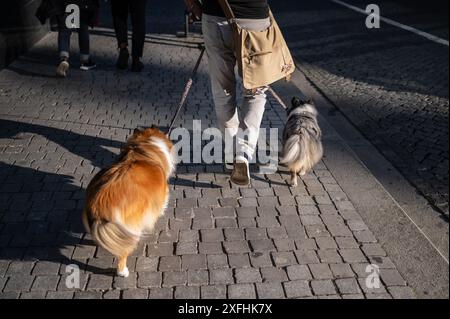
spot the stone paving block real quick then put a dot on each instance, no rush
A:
(88, 295)
(272, 274)
(329, 256)
(234, 234)
(241, 291)
(46, 268)
(212, 235)
(247, 275)
(391, 277)
(306, 244)
(402, 292)
(213, 292)
(151, 279)
(187, 293)
(298, 272)
(144, 264)
(277, 233)
(188, 236)
(170, 263)
(135, 294)
(365, 236)
(59, 295)
(342, 271)
(198, 277)
(283, 259)
(187, 248)
(325, 243)
(256, 233)
(163, 249)
(45, 283)
(161, 293)
(174, 278)
(217, 261)
(373, 250)
(239, 260)
(221, 276)
(236, 247)
(306, 257)
(210, 248)
(246, 212)
(346, 242)
(321, 271)
(284, 245)
(367, 289)
(18, 283)
(352, 256)
(20, 267)
(323, 287)
(33, 295)
(297, 289)
(260, 260)
(262, 245)
(270, 291)
(193, 262)
(125, 283)
(348, 286)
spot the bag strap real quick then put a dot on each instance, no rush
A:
(227, 10)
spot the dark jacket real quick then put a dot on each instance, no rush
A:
(55, 11)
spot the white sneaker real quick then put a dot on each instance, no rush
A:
(62, 69)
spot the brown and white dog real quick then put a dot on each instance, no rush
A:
(125, 200)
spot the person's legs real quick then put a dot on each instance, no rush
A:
(254, 104)
(64, 36)
(84, 42)
(222, 62)
(120, 10)
(138, 20)
(252, 112)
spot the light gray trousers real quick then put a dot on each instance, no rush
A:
(222, 63)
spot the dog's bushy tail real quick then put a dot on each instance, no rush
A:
(111, 236)
(292, 151)
(303, 148)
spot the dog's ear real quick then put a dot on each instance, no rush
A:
(154, 127)
(311, 101)
(137, 130)
(296, 101)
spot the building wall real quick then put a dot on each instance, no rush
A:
(19, 28)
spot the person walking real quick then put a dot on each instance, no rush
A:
(250, 15)
(136, 9)
(55, 11)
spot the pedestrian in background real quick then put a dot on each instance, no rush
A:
(120, 11)
(55, 10)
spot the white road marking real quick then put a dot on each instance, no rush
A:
(396, 24)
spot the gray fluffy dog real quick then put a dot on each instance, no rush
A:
(302, 144)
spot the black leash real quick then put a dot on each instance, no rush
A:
(187, 89)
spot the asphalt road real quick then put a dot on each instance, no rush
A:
(390, 83)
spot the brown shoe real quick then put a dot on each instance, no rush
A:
(241, 173)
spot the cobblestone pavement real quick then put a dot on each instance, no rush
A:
(216, 241)
(391, 84)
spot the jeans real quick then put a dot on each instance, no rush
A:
(136, 8)
(222, 62)
(64, 36)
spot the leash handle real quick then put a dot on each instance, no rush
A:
(186, 90)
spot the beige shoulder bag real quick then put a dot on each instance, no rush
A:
(263, 56)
